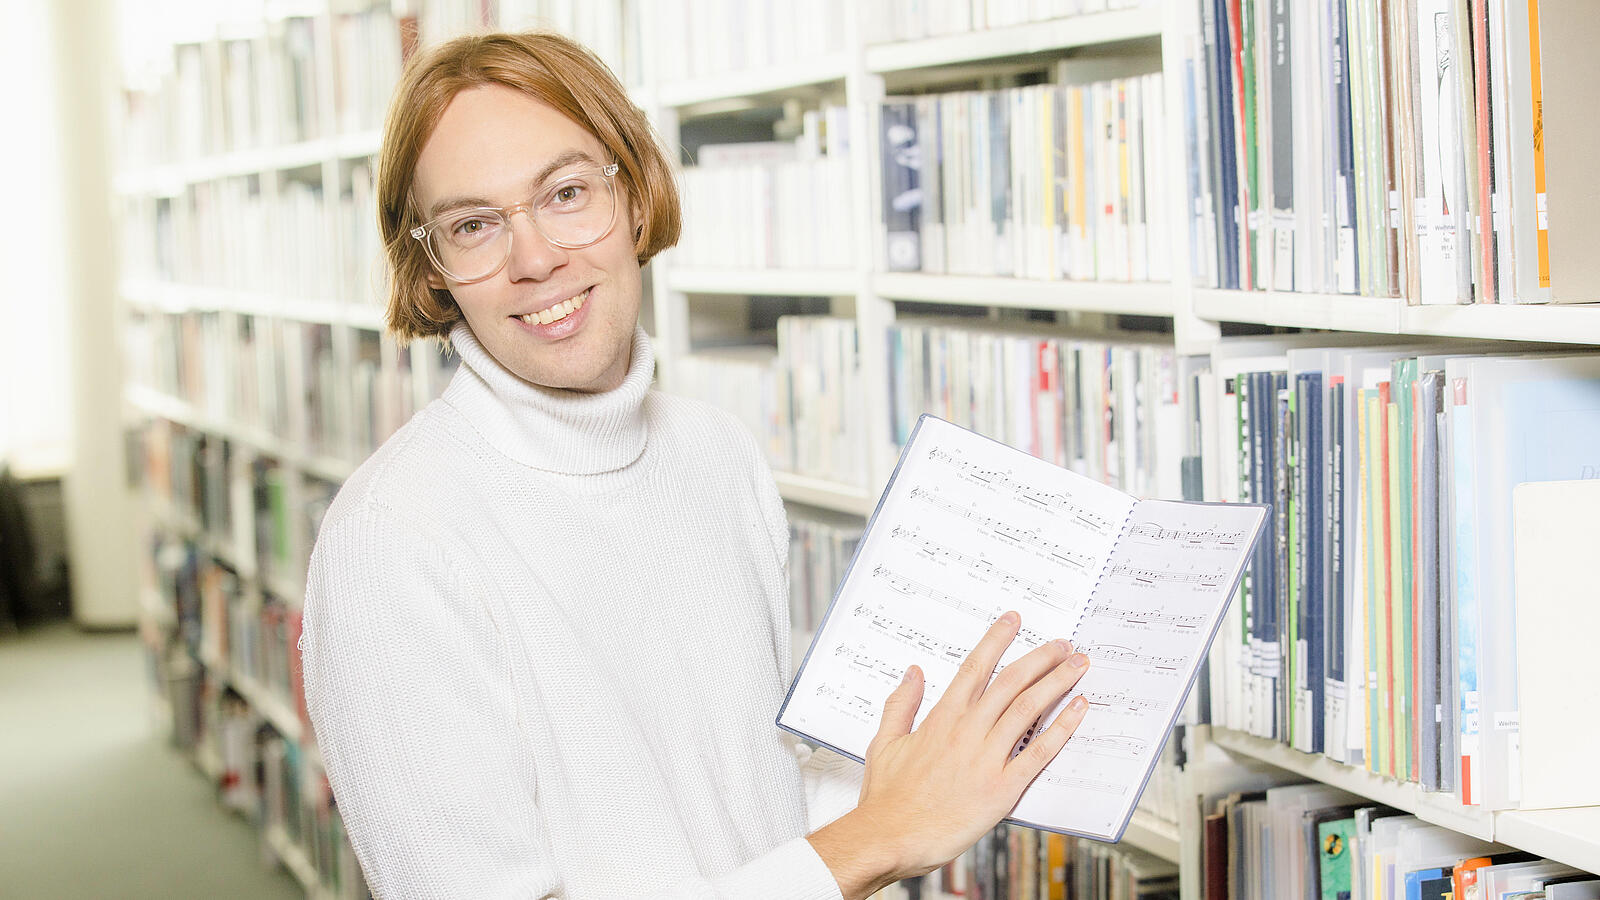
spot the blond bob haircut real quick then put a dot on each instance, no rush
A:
(545, 66)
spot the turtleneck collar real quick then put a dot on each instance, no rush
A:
(548, 428)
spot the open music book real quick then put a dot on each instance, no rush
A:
(969, 528)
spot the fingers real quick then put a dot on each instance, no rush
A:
(1017, 677)
(1037, 700)
(975, 671)
(900, 709)
(1027, 765)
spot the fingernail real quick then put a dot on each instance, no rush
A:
(1010, 618)
(913, 674)
(1064, 644)
(1078, 704)
(1078, 661)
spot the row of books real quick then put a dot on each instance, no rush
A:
(821, 545)
(1418, 150)
(1105, 407)
(887, 21)
(189, 473)
(1046, 181)
(597, 24)
(236, 369)
(1016, 863)
(1318, 842)
(1377, 621)
(777, 204)
(368, 47)
(803, 402)
(218, 97)
(234, 233)
(703, 38)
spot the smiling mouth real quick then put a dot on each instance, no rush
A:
(559, 311)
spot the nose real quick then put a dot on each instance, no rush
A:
(532, 256)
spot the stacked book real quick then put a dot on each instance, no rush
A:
(1047, 181)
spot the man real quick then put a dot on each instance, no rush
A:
(546, 625)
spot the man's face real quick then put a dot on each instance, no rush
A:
(491, 145)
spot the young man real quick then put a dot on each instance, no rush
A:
(546, 626)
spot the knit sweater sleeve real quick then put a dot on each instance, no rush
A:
(409, 689)
(833, 782)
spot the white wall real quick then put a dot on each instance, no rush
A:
(35, 412)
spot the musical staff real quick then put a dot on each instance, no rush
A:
(853, 704)
(1122, 699)
(1114, 653)
(1042, 593)
(1027, 493)
(1116, 746)
(1088, 784)
(1146, 616)
(1053, 551)
(1140, 575)
(989, 612)
(1201, 536)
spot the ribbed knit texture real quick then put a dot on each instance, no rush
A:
(545, 641)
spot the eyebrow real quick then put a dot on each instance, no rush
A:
(561, 161)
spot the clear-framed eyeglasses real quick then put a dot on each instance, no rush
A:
(572, 211)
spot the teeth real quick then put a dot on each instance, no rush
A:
(557, 312)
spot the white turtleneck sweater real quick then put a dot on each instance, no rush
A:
(545, 642)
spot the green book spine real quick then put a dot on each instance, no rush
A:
(1247, 29)
(1335, 863)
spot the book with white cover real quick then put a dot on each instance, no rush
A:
(969, 528)
(1558, 674)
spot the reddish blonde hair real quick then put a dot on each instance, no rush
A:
(551, 68)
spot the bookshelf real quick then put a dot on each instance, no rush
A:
(340, 369)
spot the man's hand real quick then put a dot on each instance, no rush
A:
(929, 794)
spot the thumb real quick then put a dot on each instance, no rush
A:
(900, 709)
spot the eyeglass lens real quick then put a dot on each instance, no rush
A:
(573, 212)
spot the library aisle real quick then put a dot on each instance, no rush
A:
(97, 803)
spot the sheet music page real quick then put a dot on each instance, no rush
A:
(1154, 613)
(970, 528)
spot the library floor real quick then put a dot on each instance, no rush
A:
(96, 802)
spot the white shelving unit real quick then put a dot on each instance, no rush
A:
(859, 76)
(1570, 835)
